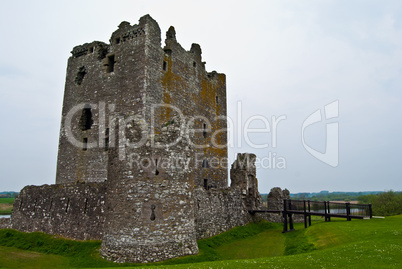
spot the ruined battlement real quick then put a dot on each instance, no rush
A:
(99, 48)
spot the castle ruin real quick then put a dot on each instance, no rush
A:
(142, 160)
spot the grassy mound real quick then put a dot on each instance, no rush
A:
(375, 243)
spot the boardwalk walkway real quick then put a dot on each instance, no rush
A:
(325, 209)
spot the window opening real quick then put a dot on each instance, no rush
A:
(206, 183)
(80, 75)
(85, 142)
(68, 204)
(107, 139)
(153, 217)
(86, 118)
(156, 167)
(110, 64)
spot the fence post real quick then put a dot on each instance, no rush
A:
(329, 212)
(305, 214)
(370, 211)
(325, 211)
(309, 215)
(290, 217)
(348, 212)
(285, 217)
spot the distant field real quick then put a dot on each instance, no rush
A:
(7, 200)
(375, 243)
(6, 205)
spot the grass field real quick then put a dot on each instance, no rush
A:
(6, 205)
(375, 243)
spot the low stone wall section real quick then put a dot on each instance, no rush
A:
(75, 211)
(5, 223)
(218, 210)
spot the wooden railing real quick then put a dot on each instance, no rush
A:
(309, 208)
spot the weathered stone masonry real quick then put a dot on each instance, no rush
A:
(73, 210)
(129, 171)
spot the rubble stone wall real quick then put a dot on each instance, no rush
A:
(5, 223)
(218, 210)
(75, 211)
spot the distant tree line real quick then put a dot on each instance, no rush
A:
(327, 196)
(384, 204)
(331, 196)
(8, 194)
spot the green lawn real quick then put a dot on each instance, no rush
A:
(256, 246)
(375, 243)
(17, 258)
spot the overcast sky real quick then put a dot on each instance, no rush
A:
(283, 59)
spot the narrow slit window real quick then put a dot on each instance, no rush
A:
(86, 205)
(85, 144)
(156, 167)
(107, 139)
(216, 99)
(68, 204)
(153, 217)
(106, 143)
(118, 40)
(206, 183)
(164, 66)
(205, 163)
(194, 64)
(204, 132)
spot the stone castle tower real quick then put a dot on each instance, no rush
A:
(141, 118)
(158, 97)
(142, 152)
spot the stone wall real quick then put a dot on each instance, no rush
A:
(243, 176)
(74, 211)
(5, 223)
(275, 202)
(218, 210)
(271, 217)
(275, 198)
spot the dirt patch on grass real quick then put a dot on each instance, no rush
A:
(6, 207)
